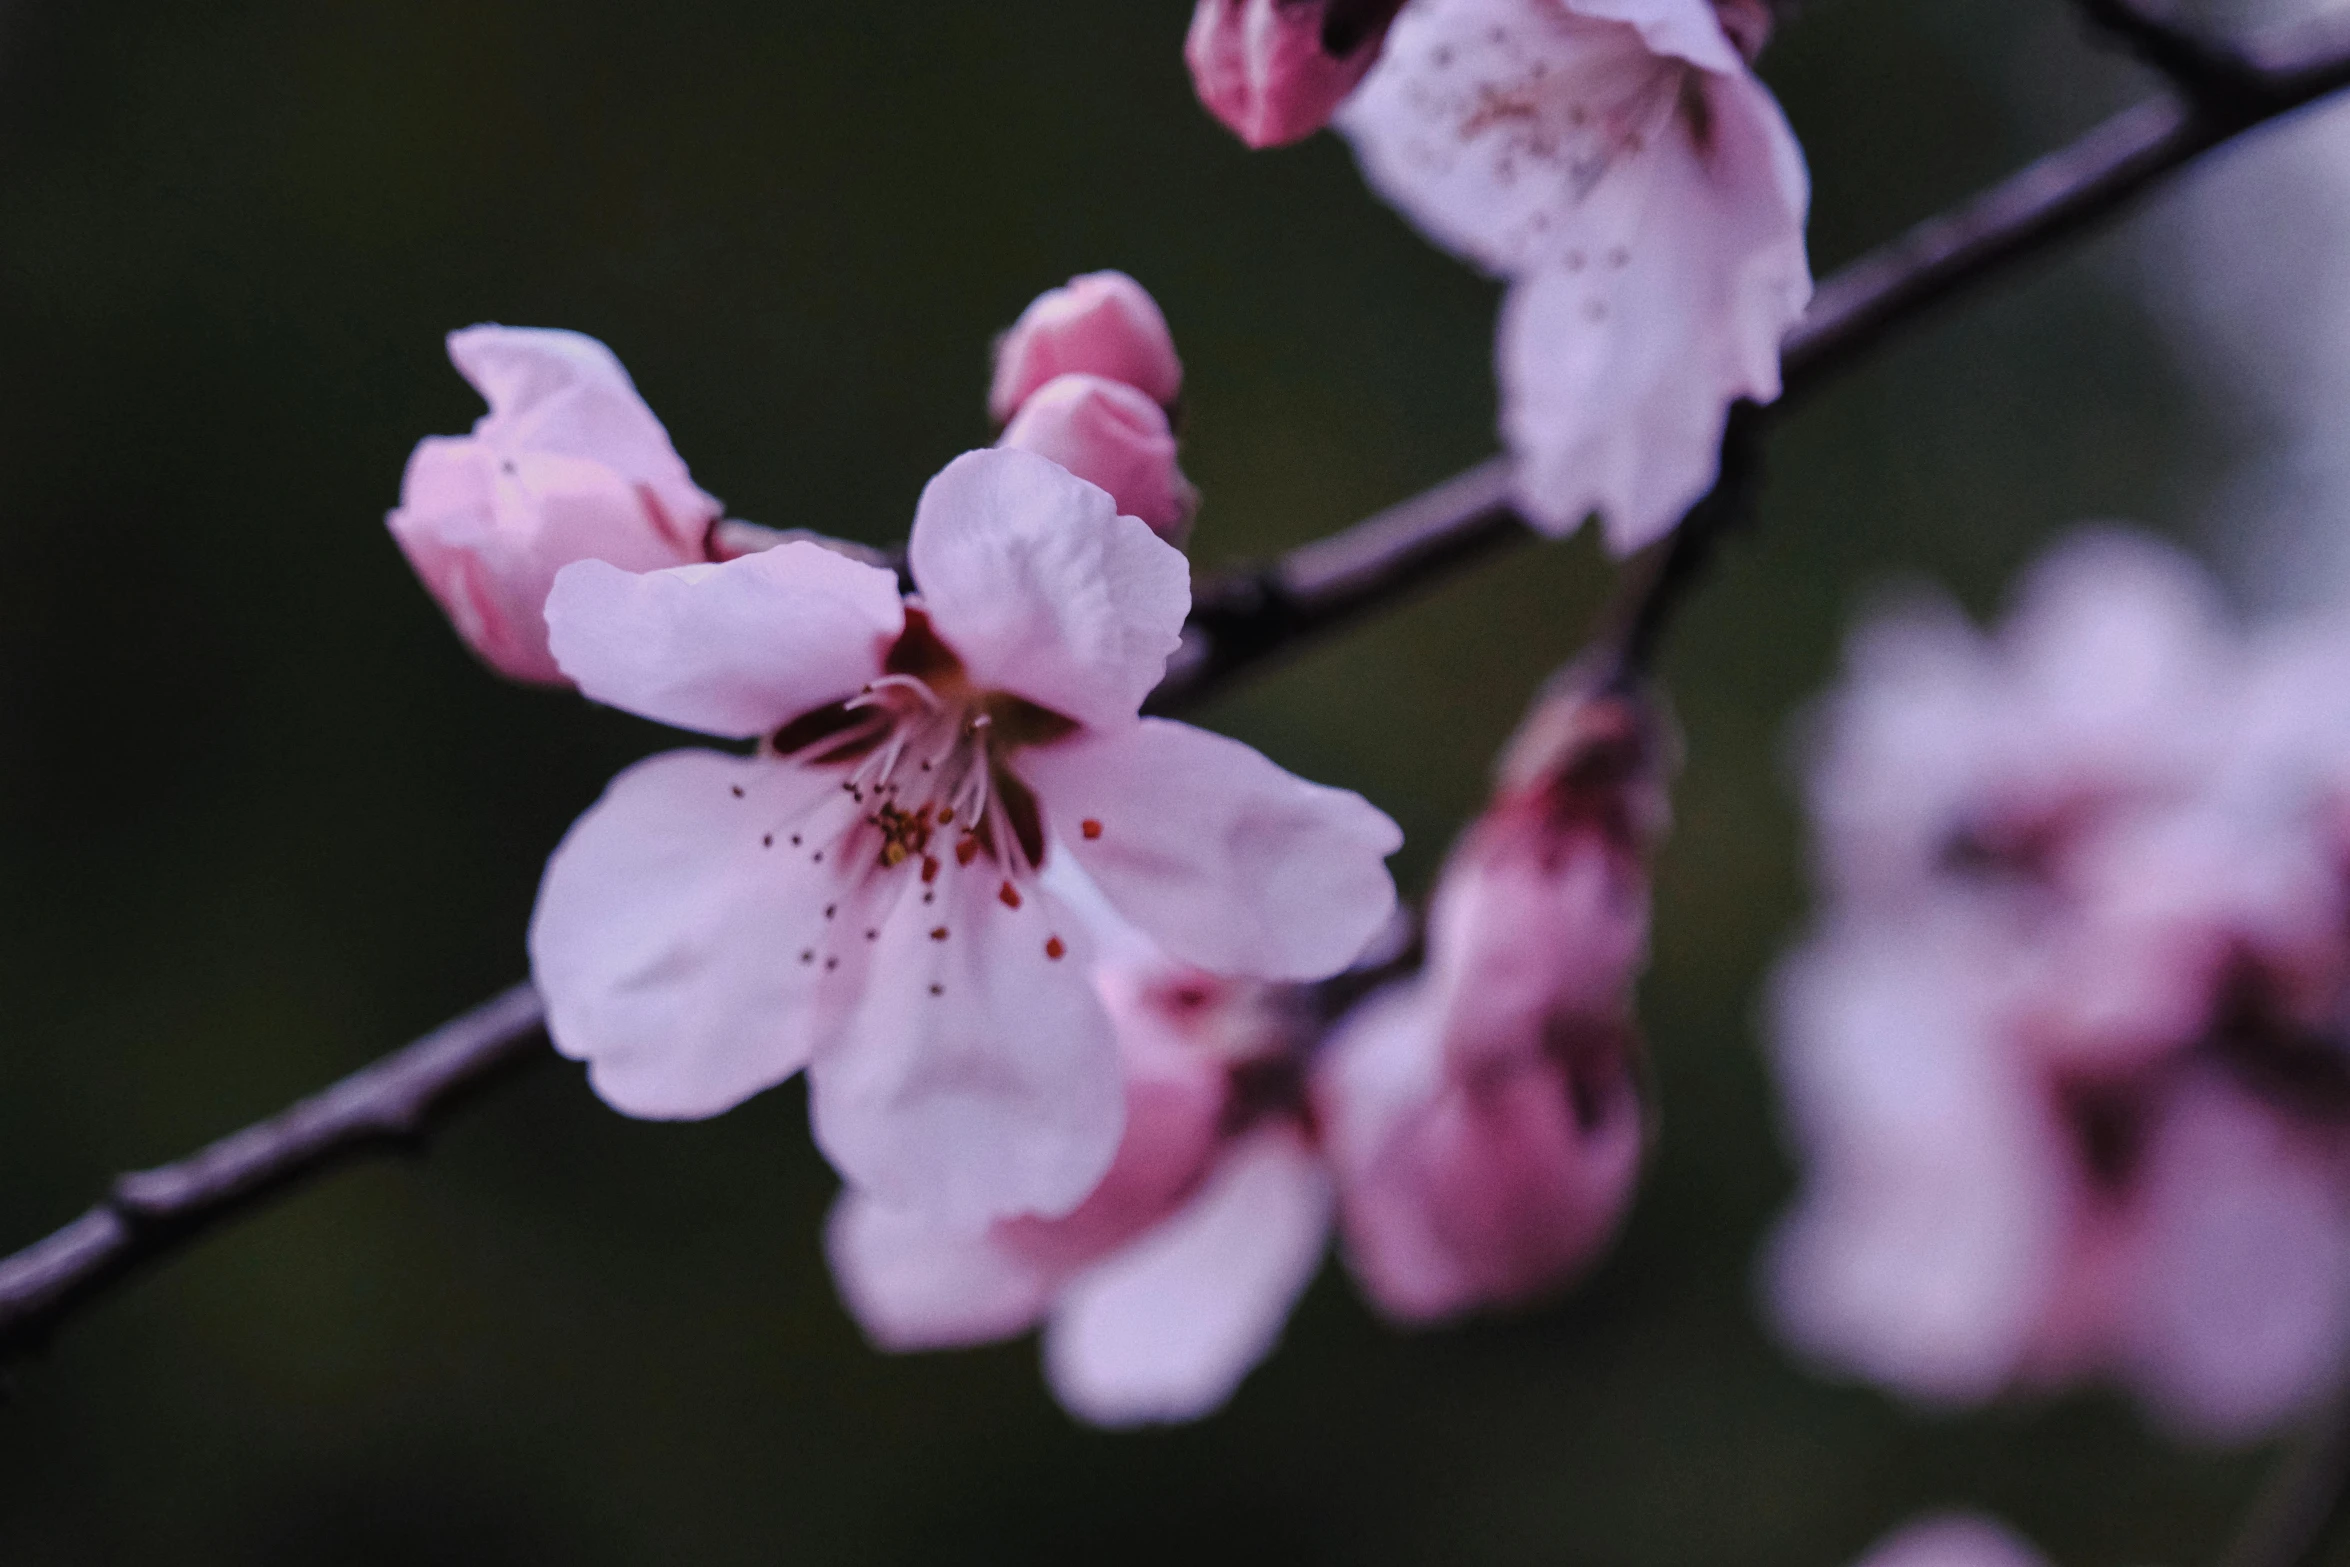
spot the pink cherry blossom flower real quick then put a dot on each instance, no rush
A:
(2065, 1057)
(864, 895)
(1103, 323)
(1275, 70)
(567, 465)
(1620, 165)
(1485, 1119)
(1172, 1280)
(1109, 434)
(1953, 1540)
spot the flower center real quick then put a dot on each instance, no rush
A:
(924, 756)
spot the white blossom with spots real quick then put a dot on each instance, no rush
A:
(1618, 163)
(866, 894)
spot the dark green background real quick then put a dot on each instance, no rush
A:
(261, 817)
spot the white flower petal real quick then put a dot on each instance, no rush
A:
(2239, 1317)
(1042, 589)
(1225, 859)
(736, 650)
(1495, 125)
(1649, 209)
(1685, 29)
(682, 938)
(1926, 1244)
(1166, 1329)
(913, 1283)
(978, 1075)
(1616, 378)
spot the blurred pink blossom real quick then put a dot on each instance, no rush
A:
(567, 465)
(1102, 323)
(1953, 1540)
(1620, 165)
(1109, 434)
(865, 896)
(1172, 1280)
(2065, 1058)
(1485, 1118)
(1275, 70)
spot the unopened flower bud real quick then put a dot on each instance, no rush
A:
(1485, 1120)
(1103, 323)
(1109, 434)
(568, 465)
(1274, 71)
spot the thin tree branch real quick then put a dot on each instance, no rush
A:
(1241, 619)
(389, 1105)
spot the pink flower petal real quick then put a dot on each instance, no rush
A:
(1042, 589)
(1166, 1329)
(567, 465)
(669, 927)
(738, 649)
(977, 1075)
(1225, 859)
(1177, 1091)
(1109, 434)
(913, 1283)
(565, 394)
(1103, 323)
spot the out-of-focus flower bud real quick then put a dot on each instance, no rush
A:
(1274, 71)
(1953, 1540)
(1109, 434)
(1103, 323)
(568, 465)
(1485, 1120)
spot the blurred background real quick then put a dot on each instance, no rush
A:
(261, 817)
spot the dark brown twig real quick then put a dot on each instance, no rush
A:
(390, 1104)
(1241, 620)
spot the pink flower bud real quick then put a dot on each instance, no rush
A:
(1274, 71)
(567, 465)
(1109, 434)
(1103, 323)
(1485, 1120)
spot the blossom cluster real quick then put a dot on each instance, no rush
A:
(1473, 1133)
(1054, 970)
(1111, 1026)
(2064, 1057)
